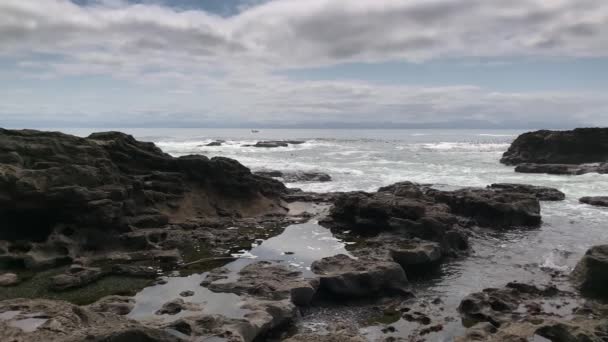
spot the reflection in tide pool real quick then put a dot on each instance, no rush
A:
(297, 247)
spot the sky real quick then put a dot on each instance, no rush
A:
(304, 63)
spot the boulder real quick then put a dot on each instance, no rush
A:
(591, 273)
(216, 143)
(418, 254)
(270, 281)
(578, 146)
(176, 306)
(8, 279)
(75, 276)
(543, 193)
(599, 201)
(343, 276)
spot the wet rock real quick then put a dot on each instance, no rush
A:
(27, 320)
(543, 193)
(186, 293)
(417, 254)
(591, 273)
(118, 305)
(562, 169)
(578, 146)
(343, 276)
(216, 143)
(75, 276)
(599, 201)
(176, 306)
(8, 279)
(296, 177)
(271, 281)
(275, 143)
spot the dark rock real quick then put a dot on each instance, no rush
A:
(578, 146)
(103, 180)
(561, 169)
(543, 193)
(215, 143)
(75, 276)
(591, 273)
(186, 293)
(416, 254)
(342, 276)
(599, 201)
(296, 177)
(176, 306)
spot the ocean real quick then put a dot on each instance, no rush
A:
(368, 159)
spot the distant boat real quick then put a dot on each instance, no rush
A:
(255, 131)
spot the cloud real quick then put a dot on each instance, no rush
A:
(200, 66)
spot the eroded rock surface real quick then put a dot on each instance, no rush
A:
(523, 312)
(25, 320)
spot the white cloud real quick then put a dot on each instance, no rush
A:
(183, 54)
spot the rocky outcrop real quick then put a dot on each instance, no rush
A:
(24, 320)
(575, 152)
(543, 193)
(63, 197)
(591, 273)
(418, 211)
(578, 146)
(598, 201)
(110, 181)
(343, 276)
(296, 177)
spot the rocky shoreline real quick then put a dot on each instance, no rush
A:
(105, 207)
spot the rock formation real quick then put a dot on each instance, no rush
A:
(560, 152)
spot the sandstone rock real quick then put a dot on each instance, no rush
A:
(543, 193)
(599, 201)
(578, 146)
(8, 279)
(591, 273)
(343, 276)
(75, 276)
